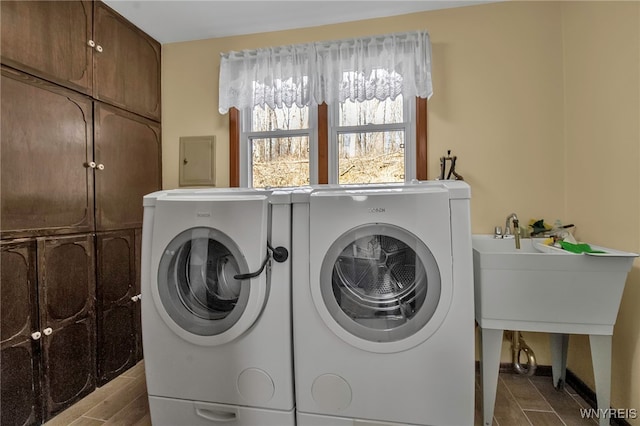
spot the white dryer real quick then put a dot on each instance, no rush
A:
(383, 305)
(216, 318)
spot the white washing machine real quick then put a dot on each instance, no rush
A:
(216, 317)
(383, 305)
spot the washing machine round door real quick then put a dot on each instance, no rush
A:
(381, 286)
(198, 290)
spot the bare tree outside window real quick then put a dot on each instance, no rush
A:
(369, 136)
(281, 160)
(371, 156)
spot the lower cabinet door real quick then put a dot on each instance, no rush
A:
(139, 352)
(19, 349)
(19, 387)
(117, 347)
(66, 277)
(117, 303)
(69, 365)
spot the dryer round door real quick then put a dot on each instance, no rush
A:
(380, 289)
(200, 297)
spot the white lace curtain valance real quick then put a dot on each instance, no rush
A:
(359, 69)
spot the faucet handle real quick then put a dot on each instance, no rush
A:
(507, 233)
(497, 232)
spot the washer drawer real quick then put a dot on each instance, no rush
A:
(171, 412)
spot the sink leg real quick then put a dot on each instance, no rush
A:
(559, 348)
(490, 365)
(601, 357)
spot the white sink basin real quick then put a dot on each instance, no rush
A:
(554, 291)
(538, 288)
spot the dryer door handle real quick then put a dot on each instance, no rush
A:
(217, 415)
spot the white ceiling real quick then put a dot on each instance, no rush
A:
(170, 21)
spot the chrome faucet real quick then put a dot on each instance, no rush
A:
(516, 228)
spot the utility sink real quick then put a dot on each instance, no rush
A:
(541, 286)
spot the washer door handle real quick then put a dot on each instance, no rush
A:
(279, 254)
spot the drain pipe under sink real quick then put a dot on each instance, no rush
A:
(518, 345)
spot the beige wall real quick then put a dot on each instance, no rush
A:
(602, 169)
(496, 99)
(518, 101)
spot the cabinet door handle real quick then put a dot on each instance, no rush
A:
(91, 43)
(47, 331)
(137, 298)
(90, 164)
(100, 166)
(36, 335)
(134, 298)
(99, 48)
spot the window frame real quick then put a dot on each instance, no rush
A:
(409, 114)
(320, 155)
(246, 134)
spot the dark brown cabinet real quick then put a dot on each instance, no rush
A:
(19, 365)
(138, 254)
(71, 164)
(48, 347)
(47, 143)
(80, 147)
(118, 304)
(49, 170)
(20, 385)
(50, 40)
(85, 46)
(126, 64)
(127, 153)
(66, 298)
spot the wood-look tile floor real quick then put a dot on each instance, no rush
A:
(533, 401)
(520, 401)
(122, 402)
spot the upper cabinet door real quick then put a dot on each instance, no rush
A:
(127, 153)
(126, 64)
(46, 179)
(50, 39)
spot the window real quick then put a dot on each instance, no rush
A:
(276, 146)
(371, 141)
(348, 104)
(287, 153)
